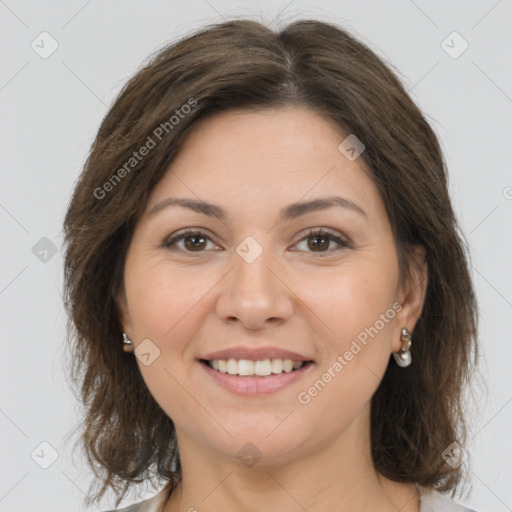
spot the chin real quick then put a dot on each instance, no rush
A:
(266, 441)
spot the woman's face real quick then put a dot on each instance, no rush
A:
(256, 280)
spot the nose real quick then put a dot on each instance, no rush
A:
(254, 294)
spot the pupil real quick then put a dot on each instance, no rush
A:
(313, 245)
(193, 245)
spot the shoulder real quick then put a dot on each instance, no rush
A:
(132, 508)
(154, 504)
(433, 501)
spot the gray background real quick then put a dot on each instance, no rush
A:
(51, 109)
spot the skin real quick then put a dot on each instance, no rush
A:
(202, 296)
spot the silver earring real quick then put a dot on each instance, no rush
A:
(127, 344)
(404, 358)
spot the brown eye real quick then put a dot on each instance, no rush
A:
(193, 241)
(320, 240)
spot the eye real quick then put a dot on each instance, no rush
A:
(319, 241)
(194, 241)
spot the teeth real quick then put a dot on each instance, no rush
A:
(262, 368)
(232, 366)
(277, 365)
(287, 365)
(245, 367)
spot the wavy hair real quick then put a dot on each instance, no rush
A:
(417, 412)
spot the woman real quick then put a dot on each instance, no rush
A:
(263, 224)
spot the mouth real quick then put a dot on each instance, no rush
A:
(249, 369)
(255, 378)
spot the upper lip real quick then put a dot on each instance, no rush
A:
(255, 354)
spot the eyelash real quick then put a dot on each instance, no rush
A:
(321, 232)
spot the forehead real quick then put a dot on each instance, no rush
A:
(287, 134)
(260, 159)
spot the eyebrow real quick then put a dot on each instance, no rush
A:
(289, 212)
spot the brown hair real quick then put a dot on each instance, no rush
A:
(242, 64)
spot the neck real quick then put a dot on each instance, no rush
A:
(338, 475)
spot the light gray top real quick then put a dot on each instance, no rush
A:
(430, 501)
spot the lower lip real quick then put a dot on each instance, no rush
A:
(250, 386)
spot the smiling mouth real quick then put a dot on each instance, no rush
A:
(249, 368)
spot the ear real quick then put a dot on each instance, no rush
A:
(122, 308)
(412, 294)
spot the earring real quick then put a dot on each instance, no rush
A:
(127, 344)
(404, 358)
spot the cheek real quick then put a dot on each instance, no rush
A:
(355, 334)
(164, 307)
(355, 306)
(353, 302)
(163, 301)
